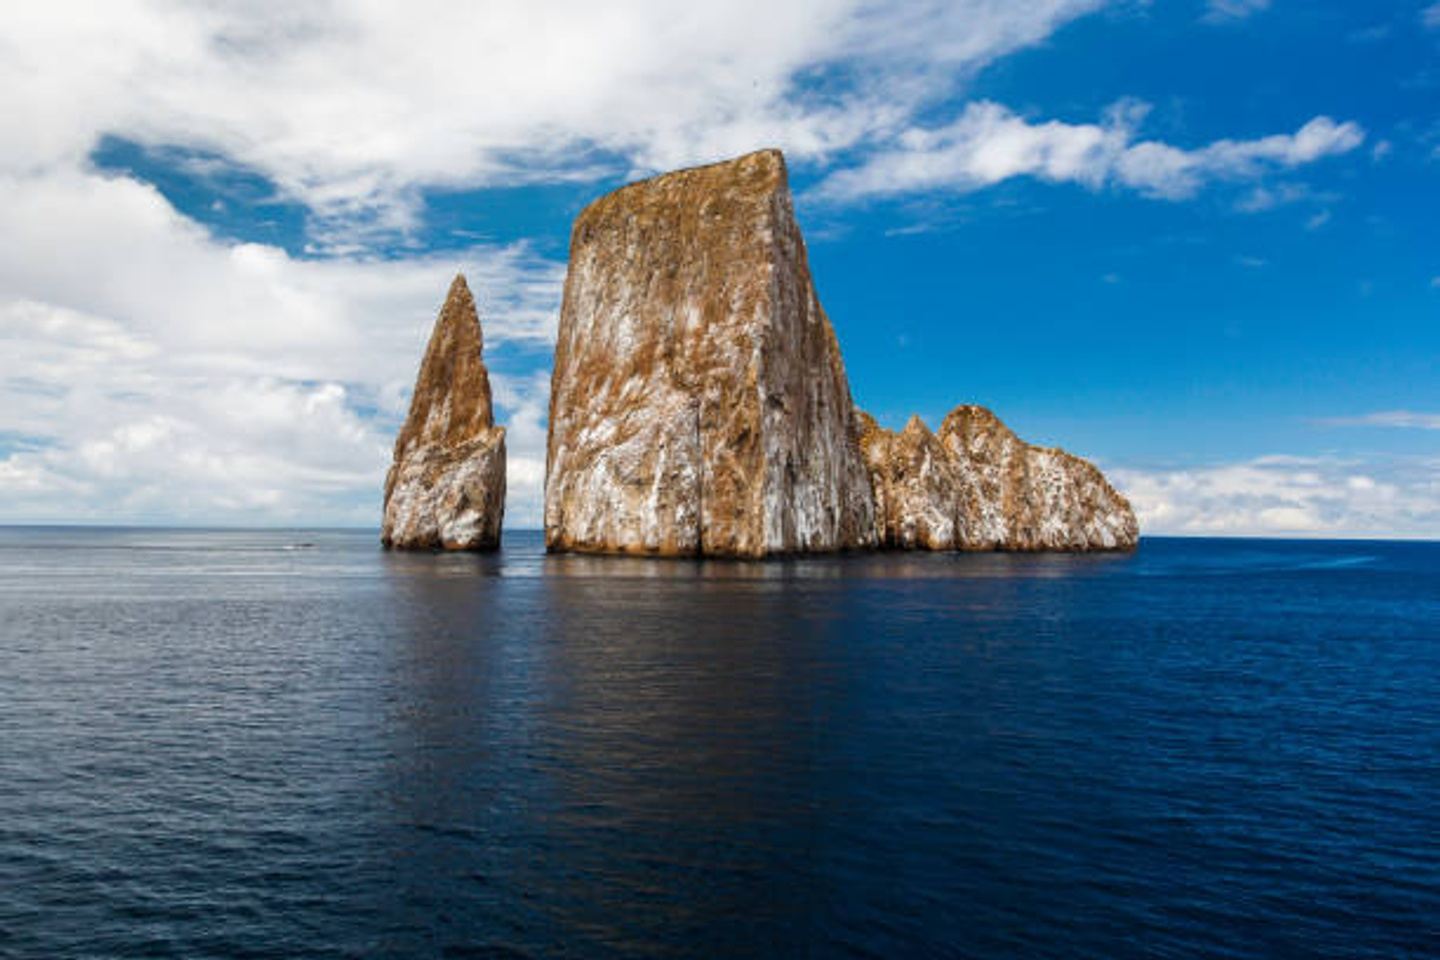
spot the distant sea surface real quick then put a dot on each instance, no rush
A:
(292, 744)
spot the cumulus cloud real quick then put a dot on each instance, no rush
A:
(526, 403)
(114, 247)
(352, 108)
(159, 373)
(989, 143)
(1290, 496)
(154, 372)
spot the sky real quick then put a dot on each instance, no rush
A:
(1197, 241)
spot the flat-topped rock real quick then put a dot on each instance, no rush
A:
(446, 488)
(699, 404)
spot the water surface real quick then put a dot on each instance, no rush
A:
(291, 744)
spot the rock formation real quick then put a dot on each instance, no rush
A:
(446, 488)
(699, 404)
(916, 486)
(977, 486)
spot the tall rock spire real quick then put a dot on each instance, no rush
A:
(446, 488)
(699, 404)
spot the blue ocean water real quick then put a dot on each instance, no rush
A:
(292, 744)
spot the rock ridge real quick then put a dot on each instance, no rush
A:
(975, 485)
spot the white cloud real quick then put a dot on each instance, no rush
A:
(1430, 16)
(162, 374)
(156, 373)
(988, 143)
(1290, 496)
(152, 371)
(1219, 11)
(1409, 419)
(353, 107)
(526, 402)
(114, 247)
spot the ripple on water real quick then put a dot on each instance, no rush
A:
(289, 743)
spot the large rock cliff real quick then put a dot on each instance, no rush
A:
(699, 404)
(446, 489)
(977, 486)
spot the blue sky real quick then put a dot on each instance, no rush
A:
(1198, 242)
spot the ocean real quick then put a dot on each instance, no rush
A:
(293, 744)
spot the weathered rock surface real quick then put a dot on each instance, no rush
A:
(699, 404)
(977, 486)
(916, 486)
(446, 488)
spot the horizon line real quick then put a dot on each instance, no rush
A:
(1328, 537)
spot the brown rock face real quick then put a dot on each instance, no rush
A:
(446, 488)
(699, 404)
(977, 486)
(915, 486)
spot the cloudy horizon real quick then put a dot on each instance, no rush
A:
(225, 233)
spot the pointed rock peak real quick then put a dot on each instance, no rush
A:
(458, 318)
(873, 439)
(446, 488)
(452, 392)
(915, 426)
(969, 419)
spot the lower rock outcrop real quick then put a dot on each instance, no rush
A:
(446, 488)
(916, 486)
(977, 486)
